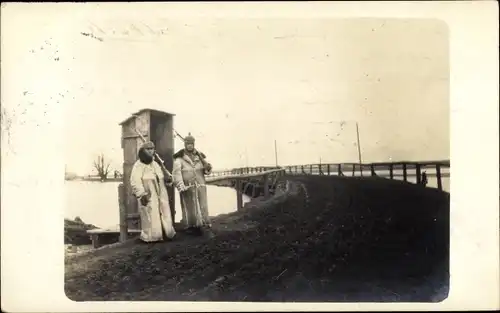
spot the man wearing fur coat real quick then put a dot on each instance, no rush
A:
(190, 168)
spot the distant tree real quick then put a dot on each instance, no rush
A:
(102, 167)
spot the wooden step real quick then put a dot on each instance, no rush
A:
(110, 234)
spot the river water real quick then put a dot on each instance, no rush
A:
(97, 203)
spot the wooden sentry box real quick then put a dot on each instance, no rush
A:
(153, 125)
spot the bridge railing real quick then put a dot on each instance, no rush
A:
(392, 170)
(241, 171)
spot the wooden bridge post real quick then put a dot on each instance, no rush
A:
(438, 177)
(372, 169)
(405, 178)
(391, 171)
(419, 179)
(353, 169)
(310, 169)
(123, 213)
(239, 195)
(302, 168)
(328, 169)
(266, 185)
(339, 169)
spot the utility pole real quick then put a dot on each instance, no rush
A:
(275, 152)
(359, 149)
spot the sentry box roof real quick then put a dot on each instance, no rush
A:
(156, 112)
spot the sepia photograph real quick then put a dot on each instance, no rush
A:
(257, 159)
(257, 156)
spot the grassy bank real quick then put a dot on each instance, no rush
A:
(331, 239)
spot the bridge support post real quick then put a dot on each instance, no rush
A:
(266, 186)
(405, 178)
(123, 213)
(418, 174)
(438, 177)
(239, 196)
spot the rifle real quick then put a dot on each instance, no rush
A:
(203, 161)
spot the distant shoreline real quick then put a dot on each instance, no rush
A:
(95, 179)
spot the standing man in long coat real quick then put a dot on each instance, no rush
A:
(190, 168)
(148, 184)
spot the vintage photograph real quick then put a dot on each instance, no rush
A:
(256, 159)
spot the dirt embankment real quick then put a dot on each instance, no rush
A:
(330, 239)
(75, 231)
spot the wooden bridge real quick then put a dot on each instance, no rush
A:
(262, 180)
(260, 176)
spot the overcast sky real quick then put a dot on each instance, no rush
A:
(237, 85)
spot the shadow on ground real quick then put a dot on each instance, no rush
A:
(334, 239)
